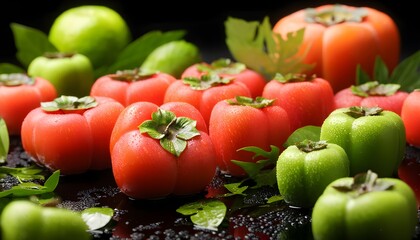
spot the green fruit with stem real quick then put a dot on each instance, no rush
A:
(98, 32)
(71, 74)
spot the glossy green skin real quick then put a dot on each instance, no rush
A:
(22, 219)
(302, 177)
(390, 214)
(375, 143)
(172, 58)
(72, 76)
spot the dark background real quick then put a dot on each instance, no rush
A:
(203, 20)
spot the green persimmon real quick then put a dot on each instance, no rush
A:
(172, 58)
(304, 170)
(365, 207)
(23, 219)
(373, 138)
(71, 74)
(98, 32)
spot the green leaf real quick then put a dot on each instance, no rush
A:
(137, 51)
(407, 73)
(381, 73)
(97, 217)
(10, 68)
(275, 198)
(307, 132)
(4, 141)
(30, 43)
(264, 51)
(207, 214)
(25, 189)
(361, 76)
(261, 171)
(235, 189)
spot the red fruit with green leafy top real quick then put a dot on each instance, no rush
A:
(71, 134)
(226, 68)
(19, 94)
(129, 86)
(308, 100)
(244, 122)
(205, 91)
(161, 151)
(372, 94)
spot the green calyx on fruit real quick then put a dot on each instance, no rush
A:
(258, 102)
(69, 103)
(15, 79)
(131, 75)
(222, 66)
(173, 132)
(334, 15)
(206, 81)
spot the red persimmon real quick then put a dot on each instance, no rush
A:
(19, 94)
(160, 151)
(307, 100)
(244, 122)
(131, 86)
(71, 134)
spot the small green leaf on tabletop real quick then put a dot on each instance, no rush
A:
(207, 214)
(29, 188)
(4, 141)
(97, 217)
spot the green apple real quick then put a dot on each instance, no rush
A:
(96, 31)
(172, 58)
(71, 74)
(23, 219)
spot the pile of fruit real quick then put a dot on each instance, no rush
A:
(317, 108)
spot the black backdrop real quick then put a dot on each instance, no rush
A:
(203, 20)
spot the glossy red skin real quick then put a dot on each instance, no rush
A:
(345, 98)
(338, 49)
(72, 142)
(252, 79)
(410, 114)
(307, 103)
(204, 100)
(236, 126)
(144, 170)
(17, 101)
(151, 89)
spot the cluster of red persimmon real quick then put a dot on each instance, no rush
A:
(162, 135)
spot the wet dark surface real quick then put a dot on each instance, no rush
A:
(247, 218)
